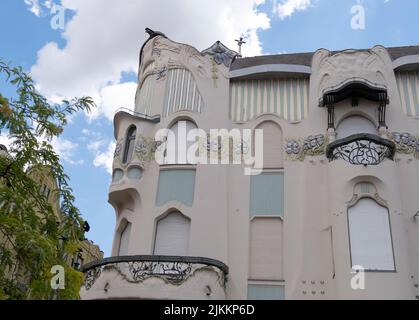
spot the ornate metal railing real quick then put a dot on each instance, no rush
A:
(172, 269)
(155, 119)
(361, 149)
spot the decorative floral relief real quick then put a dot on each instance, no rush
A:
(161, 73)
(298, 149)
(221, 54)
(145, 149)
(406, 143)
(156, 51)
(241, 148)
(118, 150)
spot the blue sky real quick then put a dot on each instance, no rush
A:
(97, 54)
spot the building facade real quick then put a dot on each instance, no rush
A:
(332, 212)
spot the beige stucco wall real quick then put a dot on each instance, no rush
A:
(316, 257)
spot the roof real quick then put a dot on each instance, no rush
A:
(305, 58)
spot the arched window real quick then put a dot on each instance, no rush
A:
(124, 239)
(370, 236)
(272, 145)
(172, 235)
(177, 143)
(354, 125)
(129, 144)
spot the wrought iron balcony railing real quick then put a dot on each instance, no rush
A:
(155, 119)
(173, 269)
(361, 149)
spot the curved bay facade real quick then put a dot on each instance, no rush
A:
(338, 188)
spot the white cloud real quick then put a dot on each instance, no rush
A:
(34, 7)
(66, 150)
(103, 40)
(114, 97)
(286, 8)
(104, 159)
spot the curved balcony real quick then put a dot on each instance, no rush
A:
(154, 277)
(361, 149)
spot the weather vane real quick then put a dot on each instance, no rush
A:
(240, 42)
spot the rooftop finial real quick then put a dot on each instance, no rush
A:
(240, 42)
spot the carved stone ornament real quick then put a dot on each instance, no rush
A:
(118, 150)
(221, 54)
(145, 149)
(297, 149)
(406, 143)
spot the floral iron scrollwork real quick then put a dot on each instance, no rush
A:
(91, 276)
(361, 149)
(173, 272)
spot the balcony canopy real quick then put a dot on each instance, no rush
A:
(354, 88)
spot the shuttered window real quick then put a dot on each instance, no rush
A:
(176, 185)
(172, 235)
(272, 145)
(370, 236)
(267, 194)
(266, 249)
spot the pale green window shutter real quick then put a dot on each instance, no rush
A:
(267, 194)
(260, 292)
(176, 185)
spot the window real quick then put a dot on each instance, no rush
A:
(135, 173)
(129, 144)
(354, 125)
(172, 235)
(124, 240)
(267, 194)
(272, 145)
(177, 144)
(176, 185)
(265, 292)
(370, 236)
(266, 249)
(117, 175)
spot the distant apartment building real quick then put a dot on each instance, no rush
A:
(88, 251)
(335, 197)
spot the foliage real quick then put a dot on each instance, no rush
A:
(33, 237)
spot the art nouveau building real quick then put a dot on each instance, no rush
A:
(338, 190)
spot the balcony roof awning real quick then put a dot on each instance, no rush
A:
(354, 88)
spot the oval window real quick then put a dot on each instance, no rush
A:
(135, 173)
(117, 175)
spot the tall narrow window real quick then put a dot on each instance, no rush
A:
(124, 240)
(267, 194)
(129, 144)
(177, 143)
(370, 236)
(272, 145)
(172, 235)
